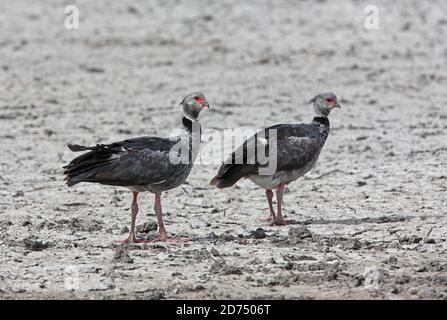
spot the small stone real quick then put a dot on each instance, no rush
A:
(353, 244)
(331, 275)
(259, 233)
(395, 291)
(147, 227)
(154, 295)
(196, 288)
(403, 280)
(214, 252)
(26, 223)
(49, 132)
(212, 236)
(422, 269)
(221, 267)
(413, 291)
(254, 261)
(415, 239)
(305, 258)
(288, 266)
(132, 9)
(390, 260)
(18, 193)
(124, 230)
(226, 237)
(298, 234)
(121, 255)
(35, 245)
(358, 280)
(94, 70)
(5, 224)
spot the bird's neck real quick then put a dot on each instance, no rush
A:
(192, 127)
(324, 124)
(322, 120)
(193, 134)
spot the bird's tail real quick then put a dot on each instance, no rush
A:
(78, 148)
(231, 174)
(86, 165)
(220, 183)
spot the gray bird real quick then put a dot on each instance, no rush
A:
(143, 164)
(296, 146)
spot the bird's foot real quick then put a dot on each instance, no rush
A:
(282, 222)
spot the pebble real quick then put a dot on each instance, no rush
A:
(353, 244)
(221, 267)
(259, 233)
(122, 255)
(147, 227)
(26, 223)
(35, 245)
(214, 252)
(296, 235)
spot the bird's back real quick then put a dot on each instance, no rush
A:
(139, 162)
(295, 148)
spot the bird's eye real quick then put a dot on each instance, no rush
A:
(330, 100)
(199, 100)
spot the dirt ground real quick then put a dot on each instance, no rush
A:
(372, 214)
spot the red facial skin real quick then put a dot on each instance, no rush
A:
(331, 102)
(199, 100)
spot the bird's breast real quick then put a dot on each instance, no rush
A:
(282, 176)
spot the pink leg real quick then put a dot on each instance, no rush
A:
(163, 236)
(131, 238)
(279, 220)
(269, 195)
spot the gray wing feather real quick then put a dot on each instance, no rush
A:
(296, 146)
(297, 152)
(138, 167)
(130, 162)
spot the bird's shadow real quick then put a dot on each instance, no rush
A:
(355, 221)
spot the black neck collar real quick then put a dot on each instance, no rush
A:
(188, 124)
(321, 120)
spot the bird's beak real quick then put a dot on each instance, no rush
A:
(205, 104)
(337, 105)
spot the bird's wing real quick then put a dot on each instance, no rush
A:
(296, 152)
(145, 160)
(294, 146)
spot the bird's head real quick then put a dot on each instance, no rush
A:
(324, 103)
(193, 103)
